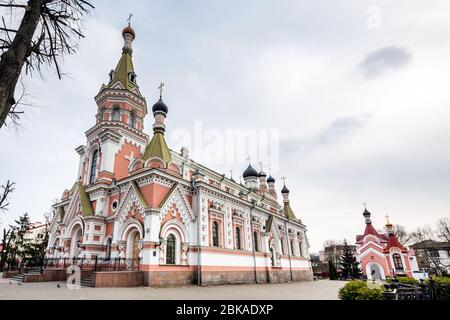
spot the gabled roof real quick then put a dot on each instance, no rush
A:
(122, 71)
(157, 148)
(430, 244)
(139, 194)
(370, 230)
(164, 200)
(86, 205)
(288, 213)
(269, 224)
(394, 243)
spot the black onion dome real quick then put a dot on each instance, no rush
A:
(262, 174)
(270, 179)
(285, 190)
(160, 106)
(366, 213)
(250, 172)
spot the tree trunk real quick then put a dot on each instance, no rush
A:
(13, 59)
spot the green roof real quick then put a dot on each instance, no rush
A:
(288, 213)
(269, 224)
(123, 69)
(139, 194)
(158, 148)
(86, 205)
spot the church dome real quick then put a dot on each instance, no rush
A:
(129, 30)
(270, 180)
(285, 190)
(160, 106)
(262, 174)
(250, 172)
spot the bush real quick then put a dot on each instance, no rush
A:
(408, 280)
(442, 284)
(358, 290)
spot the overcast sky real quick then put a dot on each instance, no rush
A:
(361, 101)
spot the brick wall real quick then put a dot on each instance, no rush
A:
(118, 279)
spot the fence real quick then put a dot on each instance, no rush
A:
(424, 291)
(95, 265)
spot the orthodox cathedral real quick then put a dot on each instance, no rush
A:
(181, 222)
(382, 255)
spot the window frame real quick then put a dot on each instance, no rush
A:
(398, 262)
(171, 256)
(93, 174)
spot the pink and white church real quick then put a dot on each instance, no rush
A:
(382, 255)
(136, 198)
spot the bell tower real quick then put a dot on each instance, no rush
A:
(120, 100)
(117, 138)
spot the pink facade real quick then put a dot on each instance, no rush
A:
(183, 223)
(382, 255)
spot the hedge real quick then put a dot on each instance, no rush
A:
(358, 290)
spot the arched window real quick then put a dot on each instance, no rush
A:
(272, 254)
(94, 167)
(398, 263)
(238, 238)
(116, 114)
(171, 250)
(108, 248)
(215, 233)
(282, 247)
(300, 248)
(255, 241)
(292, 248)
(101, 115)
(132, 120)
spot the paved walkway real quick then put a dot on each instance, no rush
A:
(319, 290)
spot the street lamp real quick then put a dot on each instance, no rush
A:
(79, 245)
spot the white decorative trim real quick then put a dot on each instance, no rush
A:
(181, 202)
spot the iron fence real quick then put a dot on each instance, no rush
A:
(95, 265)
(424, 291)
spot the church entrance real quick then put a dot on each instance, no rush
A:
(133, 250)
(375, 272)
(75, 250)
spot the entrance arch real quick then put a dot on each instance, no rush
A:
(375, 272)
(77, 235)
(133, 237)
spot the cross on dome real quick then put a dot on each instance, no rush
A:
(161, 87)
(129, 19)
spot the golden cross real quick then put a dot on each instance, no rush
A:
(387, 218)
(161, 86)
(129, 19)
(365, 205)
(249, 159)
(284, 179)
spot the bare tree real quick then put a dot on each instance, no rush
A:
(443, 229)
(5, 192)
(45, 33)
(401, 233)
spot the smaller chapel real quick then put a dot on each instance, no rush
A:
(382, 255)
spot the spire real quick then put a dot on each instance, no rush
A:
(288, 212)
(389, 226)
(158, 147)
(124, 72)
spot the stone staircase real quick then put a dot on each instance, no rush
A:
(87, 281)
(18, 278)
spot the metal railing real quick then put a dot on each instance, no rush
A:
(422, 291)
(95, 265)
